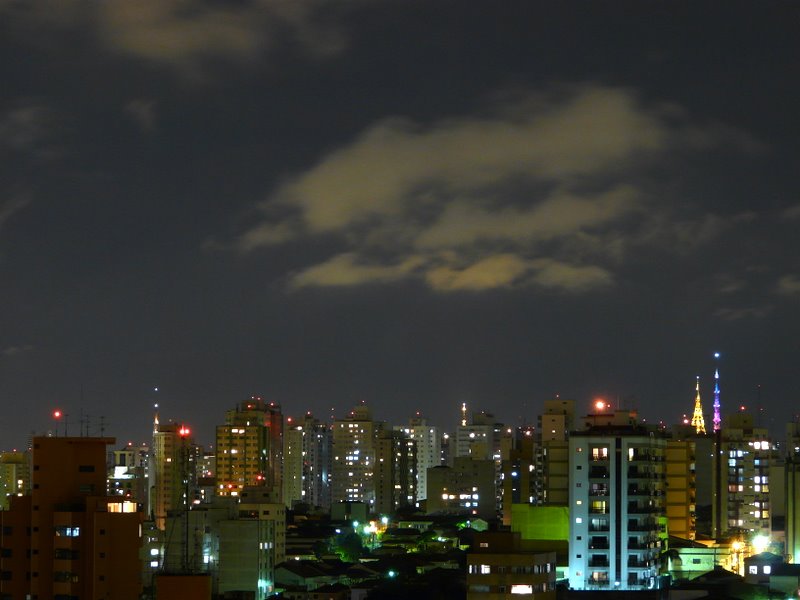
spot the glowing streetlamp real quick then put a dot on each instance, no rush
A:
(760, 543)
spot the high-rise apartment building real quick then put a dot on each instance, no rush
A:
(172, 470)
(475, 437)
(15, 476)
(792, 491)
(249, 448)
(307, 462)
(127, 476)
(518, 473)
(468, 488)
(293, 463)
(428, 441)
(552, 453)
(681, 489)
(742, 477)
(354, 456)
(251, 545)
(68, 539)
(616, 502)
(395, 471)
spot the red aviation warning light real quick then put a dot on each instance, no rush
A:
(57, 414)
(184, 431)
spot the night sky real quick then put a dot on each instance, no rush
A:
(407, 203)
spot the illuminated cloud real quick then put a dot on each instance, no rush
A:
(543, 193)
(791, 213)
(561, 214)
(391, 168)
(558, 275)
(184, 34)
(16, 350)
(29, 129)
(346, 270)
(498, 271)
(789, 285)
(736, 314)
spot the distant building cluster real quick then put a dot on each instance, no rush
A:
(288, 505)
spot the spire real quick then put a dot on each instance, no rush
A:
(717, 417)
(463, 414)
(697, 418)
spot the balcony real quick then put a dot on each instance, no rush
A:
(636, 473)
(599, 561)
(598, 473)
(598, 528)
(637, 509)
(638, 546)
(644, 526)
(638, 564)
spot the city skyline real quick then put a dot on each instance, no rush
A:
(410, 204)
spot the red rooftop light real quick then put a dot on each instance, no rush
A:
(184, 431)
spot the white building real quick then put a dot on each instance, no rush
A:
(616, 500)
(429, 449)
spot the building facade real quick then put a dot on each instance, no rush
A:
(354, 455)
(249, 448)
(68, 539)
(617, 486)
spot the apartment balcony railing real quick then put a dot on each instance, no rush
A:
(645, 526)
(637, 509)
(639, 564)
(598, 546)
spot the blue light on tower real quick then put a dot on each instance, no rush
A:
(717, 410)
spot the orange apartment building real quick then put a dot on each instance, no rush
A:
(68, 540)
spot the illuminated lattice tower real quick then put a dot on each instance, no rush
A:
(697, 418)
(717, 409)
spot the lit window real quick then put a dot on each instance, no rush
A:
(578, 520)
(485, 569)
(767, 569)
(522, 588)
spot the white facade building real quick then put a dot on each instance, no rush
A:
(616, 500)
